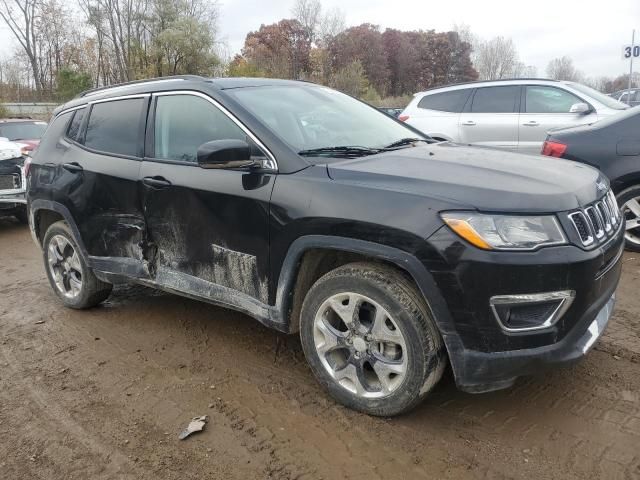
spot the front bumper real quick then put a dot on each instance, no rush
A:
(478, 372)
(13, 197)
(484, 356)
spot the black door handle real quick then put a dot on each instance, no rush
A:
(156, 182)
(72, 167)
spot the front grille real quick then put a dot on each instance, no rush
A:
(595, 223)
(9, 182)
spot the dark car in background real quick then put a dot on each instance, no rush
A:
(391, 111)
(390, 254)
(612, 146)
(23, 130)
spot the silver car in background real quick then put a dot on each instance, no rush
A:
(511, 114)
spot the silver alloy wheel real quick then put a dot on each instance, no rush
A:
(64, 266)
(360, 345)
(631, 214)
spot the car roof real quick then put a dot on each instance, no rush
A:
(491, 83)
(180, 82)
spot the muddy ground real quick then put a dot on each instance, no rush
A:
(103, 394)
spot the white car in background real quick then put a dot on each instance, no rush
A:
(12, 180)
(511, 114)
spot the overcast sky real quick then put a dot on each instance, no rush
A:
(590, 32)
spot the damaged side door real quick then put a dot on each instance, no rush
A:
(206, 228)
(100, 180)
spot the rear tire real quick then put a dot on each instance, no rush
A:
(370, 340)
(629, 203)
(71, 279)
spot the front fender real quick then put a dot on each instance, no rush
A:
(403, 260)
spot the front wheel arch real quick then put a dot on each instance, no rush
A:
(403, 261)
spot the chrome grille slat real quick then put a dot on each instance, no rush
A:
(594, 220)
(604, 214)
(595, 223)
(581, 224)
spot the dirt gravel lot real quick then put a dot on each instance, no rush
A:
(103, 394)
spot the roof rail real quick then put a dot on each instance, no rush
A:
(93, 91)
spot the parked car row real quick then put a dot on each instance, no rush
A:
(390, 254)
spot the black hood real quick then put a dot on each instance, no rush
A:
(485, 179)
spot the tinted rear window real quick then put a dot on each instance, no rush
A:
(452, 101)
(74, 127)
(495, 99)
(114, 127)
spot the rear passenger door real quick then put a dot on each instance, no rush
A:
(437, 114)
(208, 228)
(491, 118)
(543, 108)
(101, 167)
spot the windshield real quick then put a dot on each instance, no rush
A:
(601, 97)
(23, 130)
(309, 117)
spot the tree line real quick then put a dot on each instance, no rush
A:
(64, 49)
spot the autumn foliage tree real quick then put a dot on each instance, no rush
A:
(362, 43)
(361, 60)
(279, 50)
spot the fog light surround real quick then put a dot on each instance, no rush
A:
(530, 312)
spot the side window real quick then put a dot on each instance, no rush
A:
(184, 122)
(114, 127)
(74, 127)
(452, 101)
(54, 132)
(495, 99)
(541, 99)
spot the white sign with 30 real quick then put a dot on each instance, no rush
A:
(629, 51)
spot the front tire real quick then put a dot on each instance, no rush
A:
(370, 340)
(629, 202)
(71, 279)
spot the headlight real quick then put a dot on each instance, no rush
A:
(506, 232)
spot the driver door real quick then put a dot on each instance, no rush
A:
(207, 228)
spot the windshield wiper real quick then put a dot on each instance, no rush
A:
(405, 141)
(343, 151)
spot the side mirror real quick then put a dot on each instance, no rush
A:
(580, 108)
(225, 154)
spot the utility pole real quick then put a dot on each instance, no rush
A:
(633, 42)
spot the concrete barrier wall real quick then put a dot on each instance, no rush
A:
(40, 111)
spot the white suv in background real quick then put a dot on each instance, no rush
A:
(512, 114)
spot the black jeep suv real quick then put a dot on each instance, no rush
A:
(315, 213)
